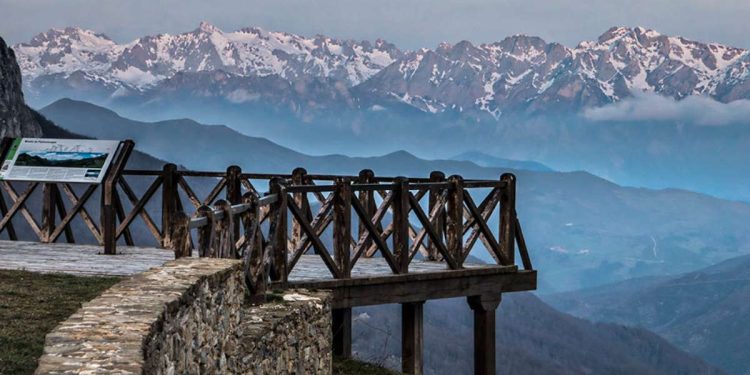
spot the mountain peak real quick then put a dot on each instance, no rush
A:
(70, 33)
(638, 33)
(206, 27)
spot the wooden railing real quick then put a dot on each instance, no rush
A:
(341, 219)
(437, 218)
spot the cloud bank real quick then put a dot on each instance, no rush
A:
(694, 110)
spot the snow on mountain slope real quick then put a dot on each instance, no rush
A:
(247, 52)
(526, 73)
(517, 74)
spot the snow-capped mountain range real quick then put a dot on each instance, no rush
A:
(519, 73)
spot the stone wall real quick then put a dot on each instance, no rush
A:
(189, 316)
(289, 336)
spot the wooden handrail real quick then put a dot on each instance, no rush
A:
(435, 216)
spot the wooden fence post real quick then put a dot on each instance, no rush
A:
(224, 232)
(234, 194)
(367, 201)
(278, 230)
(180, 236)
(454, 227)
(400, 209)
(299, 177)
(433, 254)
(342, 226)
(169, 197)
(48, 211)
(342, 234)
(205, 233)
(253, 258)
(108, 211)
(507, 217)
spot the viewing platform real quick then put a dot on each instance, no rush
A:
(368, 239)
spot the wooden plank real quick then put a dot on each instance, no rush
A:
(414, 287)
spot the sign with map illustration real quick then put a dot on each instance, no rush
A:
(58, 160)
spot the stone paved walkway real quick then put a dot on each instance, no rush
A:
(79, 259)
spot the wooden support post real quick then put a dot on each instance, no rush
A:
(253, 262)
(484, 307)
(412, 337)
(278, 230)
(234, 193)
(367, 201)
(180, 236)
(299, 177)
(342, 226)
(341, 320)
(508, 217)
(48, 211)
(205, 233)
(169, 197)
(433, 254)
(454, 227)
(108, 211)
(224, 240)
(400, 210)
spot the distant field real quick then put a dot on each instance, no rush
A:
(31, 305)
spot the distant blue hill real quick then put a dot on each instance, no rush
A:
(486, 160)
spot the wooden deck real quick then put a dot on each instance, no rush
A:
(372, 281)
(79, 259)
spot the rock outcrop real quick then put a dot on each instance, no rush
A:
(16, 119)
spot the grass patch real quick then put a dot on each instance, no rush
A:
(354, 367)
(31, 305)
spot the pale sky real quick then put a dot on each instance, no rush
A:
(407, 23)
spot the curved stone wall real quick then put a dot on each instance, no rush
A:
(188, 317)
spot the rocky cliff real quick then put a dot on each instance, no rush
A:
(16, 119)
